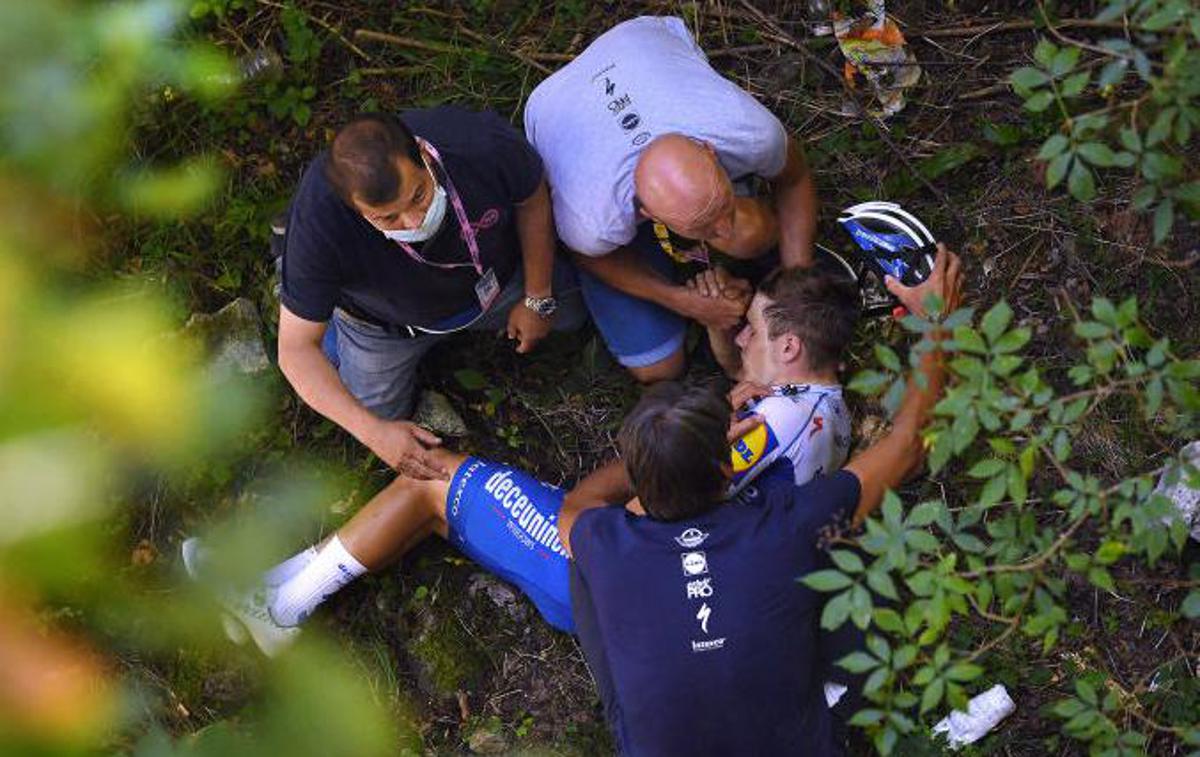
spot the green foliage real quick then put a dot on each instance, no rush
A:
(1142, 124)
(103, 410)
(1003, 557)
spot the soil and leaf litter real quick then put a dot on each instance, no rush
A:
(1034, 144)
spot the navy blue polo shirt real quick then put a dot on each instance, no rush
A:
(701, 639)
(334, 257)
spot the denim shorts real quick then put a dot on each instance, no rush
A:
(638, 332)
(379, 367)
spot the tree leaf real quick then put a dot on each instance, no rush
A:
(964, 672)
(1039, 102)
(1081, 183)
(869, 382)
(881, 583)
(1053, 146)
(996, 320)
(1097, 153)
(986, 468)
(1189, 193)
(1164, 219)
(1028, 77)
(1064, 60)
(836, 611)
(1113, 73)
(932, 695)
(1157, 166)
(1044, 52)
(993, 491)
(827, 580)
(1058, 169)
(470, 379)
(1075, 83)
(858, 662)
(1131, 139)
(925, 513)
(1013, 340)
(1145, 197)
(1172, 14)
(887, 357)
(1191, 604)
(847, 561)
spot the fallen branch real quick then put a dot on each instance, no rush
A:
(1016, 26)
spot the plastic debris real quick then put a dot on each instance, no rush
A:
(984, 712)
(1174, 485)
(834, 692)
(878, 56)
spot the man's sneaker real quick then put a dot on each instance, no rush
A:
(248, 614)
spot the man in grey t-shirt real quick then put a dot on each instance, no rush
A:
(650, 155)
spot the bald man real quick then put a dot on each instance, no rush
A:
(655, 161)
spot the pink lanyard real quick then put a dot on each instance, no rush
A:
(468, 231)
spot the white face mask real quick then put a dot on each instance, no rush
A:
(434, 215)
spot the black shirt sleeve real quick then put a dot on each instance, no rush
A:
(310, 285)
(825, 503)
(518, 166)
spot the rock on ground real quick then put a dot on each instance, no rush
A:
(435, 413)
(232, 337)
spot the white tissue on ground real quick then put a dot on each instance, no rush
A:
(1185, 498)
(984, 712)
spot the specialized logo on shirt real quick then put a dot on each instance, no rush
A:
(694, 563)
(691, 538)
(708, 644)
(524, 518)
(754, 446)
(703, 615)
(818, 423)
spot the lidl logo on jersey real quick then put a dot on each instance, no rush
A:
(754, 446)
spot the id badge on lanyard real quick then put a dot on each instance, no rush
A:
(487, 289)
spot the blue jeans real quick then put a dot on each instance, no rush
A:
(380, 368)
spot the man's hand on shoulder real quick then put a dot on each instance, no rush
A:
(944, 283)
(527, 327)
(405, 447)
(746, 392)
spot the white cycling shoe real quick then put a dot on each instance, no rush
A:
(247, 614)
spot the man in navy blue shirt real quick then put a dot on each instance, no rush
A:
(407, 229)
(699, 636)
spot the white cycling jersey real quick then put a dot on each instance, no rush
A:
(807, 424)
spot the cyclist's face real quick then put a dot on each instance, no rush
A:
(754, 342)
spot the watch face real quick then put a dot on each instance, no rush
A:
(544, 306)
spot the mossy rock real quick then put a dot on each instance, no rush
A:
(446, 658)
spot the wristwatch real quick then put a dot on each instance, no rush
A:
(543, 306)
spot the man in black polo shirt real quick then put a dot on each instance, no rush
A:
(406, 230)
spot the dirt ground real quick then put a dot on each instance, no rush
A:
(462, 656)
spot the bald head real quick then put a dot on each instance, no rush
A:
(679, 181)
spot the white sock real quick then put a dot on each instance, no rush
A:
(329, 571)
(284, 571)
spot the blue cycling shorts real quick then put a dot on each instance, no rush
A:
(507, 521)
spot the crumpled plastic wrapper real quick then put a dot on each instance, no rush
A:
(984, 712)
(877, 56)
(1185, 498)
